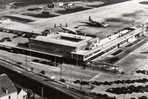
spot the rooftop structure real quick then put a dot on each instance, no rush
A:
(65, 39)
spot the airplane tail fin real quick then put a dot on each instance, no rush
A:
(90, 19)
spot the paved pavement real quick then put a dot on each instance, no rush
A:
(117, 15)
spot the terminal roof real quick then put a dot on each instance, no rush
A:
(57, 39)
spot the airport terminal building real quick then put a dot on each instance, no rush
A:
(82, 47)
(74, 46)
(64, 44)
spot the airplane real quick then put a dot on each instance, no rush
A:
(95, 23)
(75, 30)
(68, 29)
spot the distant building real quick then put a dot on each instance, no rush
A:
(22, 94)
(8, 89)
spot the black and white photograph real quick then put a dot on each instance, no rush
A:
(73, 49)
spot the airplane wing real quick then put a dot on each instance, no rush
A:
(69, 29)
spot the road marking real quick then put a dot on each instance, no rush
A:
(95, 77)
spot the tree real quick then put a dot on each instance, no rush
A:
(143, 97)
(133, 98)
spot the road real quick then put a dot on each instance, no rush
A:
(52, 88)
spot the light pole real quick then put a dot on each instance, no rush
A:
(61, 68)
(42, 92)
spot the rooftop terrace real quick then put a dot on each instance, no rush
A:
(64, 39)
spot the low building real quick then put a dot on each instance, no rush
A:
(61, 43)
(8, 89)
(22, 94)
(82, 47)
(112, 42)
